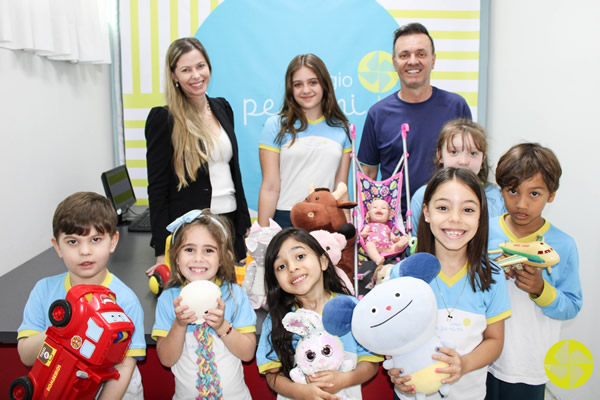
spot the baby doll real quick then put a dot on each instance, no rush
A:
(377, 234)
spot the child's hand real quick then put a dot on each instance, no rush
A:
(454, 361)
(530, 279)
(316, 390)
(335, 378)
(159, 260)
(510, 272)
(215, 318)
(182, 316)
(399, 381)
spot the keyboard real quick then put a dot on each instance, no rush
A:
(141, 223)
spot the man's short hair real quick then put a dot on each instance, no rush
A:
(81, 211)
(524, 161)
(412, 29)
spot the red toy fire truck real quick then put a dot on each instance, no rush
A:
(89, 334)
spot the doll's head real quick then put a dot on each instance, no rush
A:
(201, 248)
(379, 211)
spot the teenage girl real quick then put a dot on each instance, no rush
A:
(471, 293)
(462, 144)
(205, 359)
(308, 142)
(299, 274)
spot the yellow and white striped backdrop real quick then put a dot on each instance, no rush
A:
(148, 27)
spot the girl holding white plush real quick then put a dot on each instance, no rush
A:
(471, 294)
(223, 335)
(299, 274)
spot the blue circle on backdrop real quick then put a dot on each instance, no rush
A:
(250, 44)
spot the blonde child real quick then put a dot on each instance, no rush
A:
(471, 293)
(205, 359)
(462, 144)
(84, 235)
(299, 274)
(307, 142)
(378, 235)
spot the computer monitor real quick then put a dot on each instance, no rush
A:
(118, 189)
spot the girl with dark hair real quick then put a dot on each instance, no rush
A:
(299, 274)
(471, 293)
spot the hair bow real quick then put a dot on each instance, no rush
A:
(189, 217)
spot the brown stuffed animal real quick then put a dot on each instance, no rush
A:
(323, 209)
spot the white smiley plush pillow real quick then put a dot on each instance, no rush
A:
(200, 296)
(397, 318)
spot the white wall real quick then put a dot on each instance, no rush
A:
(543, 87)
(56, 125)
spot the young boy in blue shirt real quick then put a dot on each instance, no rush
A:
(528, 176)
(84, 235)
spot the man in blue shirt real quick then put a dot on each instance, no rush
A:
(424, 107)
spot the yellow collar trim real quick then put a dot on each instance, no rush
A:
(107, 280)
(529, 238)
(316, 121)
(450, 281)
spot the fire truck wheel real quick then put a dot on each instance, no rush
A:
(60, 313)
(21, 389)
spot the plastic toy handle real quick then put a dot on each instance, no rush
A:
(353, 131)
(405, 130)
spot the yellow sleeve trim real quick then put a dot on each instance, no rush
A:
(372, 358)
(246, 329)
(269, 148)
(348, 150)
(263, 368)
(156, 333)
(547, 297)
(499, 317)
(136, 353)
(26, 333)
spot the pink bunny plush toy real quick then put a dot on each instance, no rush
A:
(316, 350)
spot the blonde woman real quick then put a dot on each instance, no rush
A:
(192, 152)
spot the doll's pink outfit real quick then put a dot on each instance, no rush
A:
(380, 235)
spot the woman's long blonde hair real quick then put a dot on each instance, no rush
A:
(192, 143)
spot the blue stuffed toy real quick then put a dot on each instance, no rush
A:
(397, 318)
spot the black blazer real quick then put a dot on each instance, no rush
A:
(168, 203)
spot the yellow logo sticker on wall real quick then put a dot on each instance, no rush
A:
(376, 72)
(569, 364)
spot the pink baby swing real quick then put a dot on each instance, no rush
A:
(366, 190)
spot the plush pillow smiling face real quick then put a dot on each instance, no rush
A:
(402, 310)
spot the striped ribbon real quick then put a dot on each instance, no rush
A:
(208, 382)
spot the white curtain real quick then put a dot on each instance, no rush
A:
(69, 30)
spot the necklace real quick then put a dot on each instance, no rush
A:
(450, 317)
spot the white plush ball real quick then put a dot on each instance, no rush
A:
(200, 296)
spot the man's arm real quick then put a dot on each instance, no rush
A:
(370, 170)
